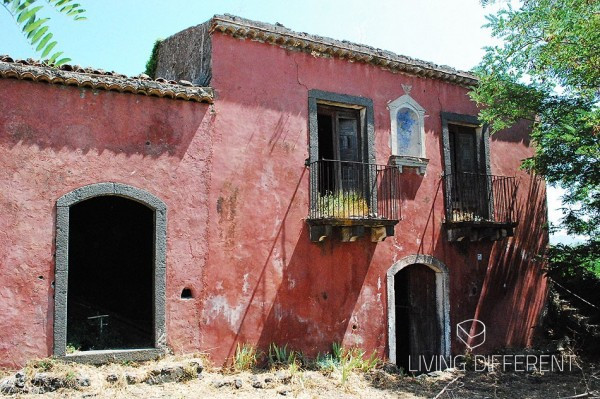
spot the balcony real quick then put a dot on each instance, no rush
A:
(479, 206)
(349, 198)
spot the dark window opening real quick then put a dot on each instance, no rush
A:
(340, 148)
(111, 269)
(349, 192)
(418, 335)
(470, 182)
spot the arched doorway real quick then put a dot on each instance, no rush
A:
(418, 311)
(110, 270)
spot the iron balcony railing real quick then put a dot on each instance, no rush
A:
(475, 197)
(353, 190)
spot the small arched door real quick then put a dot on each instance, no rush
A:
(418, 309)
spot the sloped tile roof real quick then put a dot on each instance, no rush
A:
(74, 75)
(281, 36)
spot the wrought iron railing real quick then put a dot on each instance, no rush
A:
(353, 190)
(475, 197)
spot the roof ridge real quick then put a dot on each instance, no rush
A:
(278, 34)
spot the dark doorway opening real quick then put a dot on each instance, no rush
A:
(418, 333)
(111, 268)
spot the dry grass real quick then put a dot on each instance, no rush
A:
(295, 381)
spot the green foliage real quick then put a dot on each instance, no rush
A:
(282, 356)
(153, 60)
(577, 268)
(71, 348)
(580, 263)
(245, 357)
(43, 365)
(36, 29)
(343, 205)
(547, 71)
(346, 360)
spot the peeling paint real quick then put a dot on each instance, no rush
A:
(245, 284)
(291, 283)
(217, 307)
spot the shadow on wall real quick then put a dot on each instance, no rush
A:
(315, 289)
(514, 290)
(514, 134)
(89, 120)
(508, 292)
(313, 306)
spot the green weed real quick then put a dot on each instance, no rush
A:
(245, 357)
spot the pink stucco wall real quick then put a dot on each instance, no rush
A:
(271, 284)
(233, 177)
(54, 139)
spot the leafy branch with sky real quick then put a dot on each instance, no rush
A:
(547, 70)
(36, 29)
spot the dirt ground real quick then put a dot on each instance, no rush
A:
(132, 381)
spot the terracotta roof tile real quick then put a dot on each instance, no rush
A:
(74, 75)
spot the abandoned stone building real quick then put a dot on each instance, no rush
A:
(270, 187)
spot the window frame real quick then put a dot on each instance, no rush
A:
(482, 139)
(482, 145)
(395, 106)
(366, 122)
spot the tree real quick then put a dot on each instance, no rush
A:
(36, 29)
(547, 71)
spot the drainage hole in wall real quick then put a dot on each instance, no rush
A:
(41, 277)
(147, 143)
(324, 295)
(186, 293)
(354, 326)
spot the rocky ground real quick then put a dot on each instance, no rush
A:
(190, 377)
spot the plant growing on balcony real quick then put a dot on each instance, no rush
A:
(343, 205)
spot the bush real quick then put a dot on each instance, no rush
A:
(281, 356)
(346, 360)
(343, 205)
(245, 357)
(577, 268)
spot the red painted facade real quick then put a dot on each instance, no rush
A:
(233, 178)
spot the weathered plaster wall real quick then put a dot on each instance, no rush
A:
(54, 139)
(233, 178)
(266, 282)
(186, 55)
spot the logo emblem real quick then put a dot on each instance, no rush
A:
(471, 332)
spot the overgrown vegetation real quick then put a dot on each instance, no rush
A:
(153, 60)
(245, 357)
(36, 29)
(343, 205)
(547, 72)
(340, 360)
(281, 356)
(346, 360)
(577, 268)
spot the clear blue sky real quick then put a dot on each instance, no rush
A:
(118, 34)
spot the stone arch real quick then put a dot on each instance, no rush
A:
(442, 298)
(63, 205)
